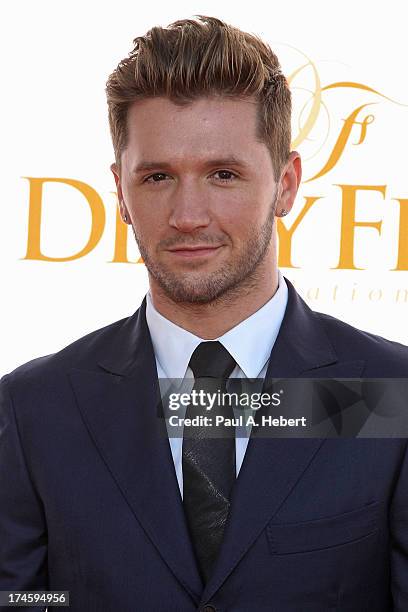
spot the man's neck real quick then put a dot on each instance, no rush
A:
(212, 320)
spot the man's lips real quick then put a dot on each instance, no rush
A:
(194, 251)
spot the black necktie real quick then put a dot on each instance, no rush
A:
(208, 461)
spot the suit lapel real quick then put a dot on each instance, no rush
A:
(121, 409)
(272, 467)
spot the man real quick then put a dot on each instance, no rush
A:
(93, 498)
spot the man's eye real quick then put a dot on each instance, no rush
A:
(224, 175)
(158, 177)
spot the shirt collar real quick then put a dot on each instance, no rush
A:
(250, 342)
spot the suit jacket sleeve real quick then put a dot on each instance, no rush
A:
(399, 540)
(23, 540)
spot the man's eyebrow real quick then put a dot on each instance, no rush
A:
(150, 165)
(231, 160)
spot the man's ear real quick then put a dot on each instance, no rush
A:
(289, 184)
(121, 202)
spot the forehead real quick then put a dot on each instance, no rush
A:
(158, 127)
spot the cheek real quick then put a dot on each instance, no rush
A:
(243, 217)
(147, 221)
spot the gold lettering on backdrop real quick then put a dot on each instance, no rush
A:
(34, 217)
(375, 295)
(306, 128)
(313, 293)
(402, 263)
(401, 294)
(121, 236)
(285, 235)
(343, 138)
(349, 223)
(346, 293)
(316, 102)
(121, 239)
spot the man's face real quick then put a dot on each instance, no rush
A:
(200, 193)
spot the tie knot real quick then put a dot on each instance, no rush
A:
(211, 360)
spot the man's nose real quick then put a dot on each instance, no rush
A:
(189, 207)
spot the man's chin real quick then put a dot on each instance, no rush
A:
(196, 290)
(187, 295)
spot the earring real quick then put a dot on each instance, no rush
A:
(283, 213)
(125, 218)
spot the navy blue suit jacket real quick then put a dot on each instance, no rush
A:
(89, 500)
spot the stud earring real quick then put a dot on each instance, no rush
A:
(125, 218)
(283, 213)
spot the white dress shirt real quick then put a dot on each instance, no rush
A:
(250, 344)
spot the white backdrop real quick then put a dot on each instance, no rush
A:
(56, 57)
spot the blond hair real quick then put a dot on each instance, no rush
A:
(201, 57)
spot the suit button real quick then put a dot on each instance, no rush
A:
(209, 609)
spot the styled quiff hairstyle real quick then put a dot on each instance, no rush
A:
(194, 58)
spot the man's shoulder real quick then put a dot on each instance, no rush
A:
(84, 353)
(386, 358)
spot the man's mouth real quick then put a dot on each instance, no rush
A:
(194, 250)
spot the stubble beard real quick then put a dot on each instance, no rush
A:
(233, 280)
